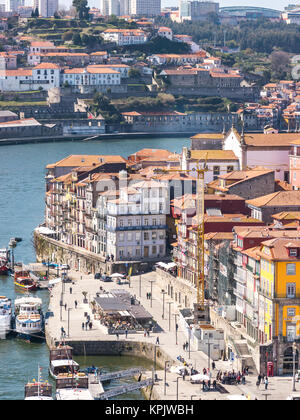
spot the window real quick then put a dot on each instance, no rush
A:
(290, 290)
(293, 252)
(290, 311)
(229, 169)
(146, 236)
(216, 171)
(291, 269)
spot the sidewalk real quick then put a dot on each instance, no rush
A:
(279, 387)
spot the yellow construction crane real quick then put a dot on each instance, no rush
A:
(200, 188)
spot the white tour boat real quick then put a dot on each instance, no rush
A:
(29, 320)
(73, 387)
(5, 316)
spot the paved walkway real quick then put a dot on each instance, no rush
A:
(71, 319)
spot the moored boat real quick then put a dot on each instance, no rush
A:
(38, 390)
(23, 280)
(5, 316)
(73, 387)
(29, 320)
(61, 361)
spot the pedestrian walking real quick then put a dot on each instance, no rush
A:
(183, 346)
(90, 325)
(63, 332)
(75, 303)
(71, 290)
(86, 325)
(259, 378)
(117, 335)
(266, 382)
(126, 333)
(157, 340)
(65, 306)
(82, 325)
(148, 333)
(214, 384)
(213, 365)
(145, 333)
(186, 345)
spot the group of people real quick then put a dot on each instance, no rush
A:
(262, 379)
(231, 377)
(109, 258)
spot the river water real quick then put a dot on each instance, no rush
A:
(22, 187)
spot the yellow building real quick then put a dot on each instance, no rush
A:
(280, 297)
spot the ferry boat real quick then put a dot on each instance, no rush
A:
(29, 320)
(23, 280)
(38, 390)
(73, 387)
(61, 361)
(5, 316)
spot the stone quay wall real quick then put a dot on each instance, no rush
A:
(184, 293)
(115, 348)
(85, 261)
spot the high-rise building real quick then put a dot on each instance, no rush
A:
(114, 7)
(196, 10)
(104, 7)
(12, 5)
(145, 7)
(46, 8)
(125, 7)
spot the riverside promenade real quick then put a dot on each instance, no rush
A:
(71, 320)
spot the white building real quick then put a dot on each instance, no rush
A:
(165, 32)
(91, 76)
(136, 221)
(125, 36)
(145, 7)
(45, 75)
(218, 162)
(46, 8)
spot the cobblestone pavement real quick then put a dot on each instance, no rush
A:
(71, 319)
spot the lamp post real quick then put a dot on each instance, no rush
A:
(177, 379)
(176, 327)
(69, 309)
(165, 382)
(163, 293)
(140, 285)
(170, 303)
(208, 344)
(151, 283)
(294, 362)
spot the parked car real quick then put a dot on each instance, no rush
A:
(105, 278)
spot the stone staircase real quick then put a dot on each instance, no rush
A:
(242, 350)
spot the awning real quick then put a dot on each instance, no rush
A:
(54, 281)
(124, 313)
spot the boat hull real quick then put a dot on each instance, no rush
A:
(31, 337)
(26, 287)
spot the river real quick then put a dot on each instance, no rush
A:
(22, 188)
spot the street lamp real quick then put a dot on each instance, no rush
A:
(163, 293)
(165, 383)
(176, 327)
(69, 309)
(140, 285)
(177, 379)
(170, 303)
(151, 282)
(294, 362)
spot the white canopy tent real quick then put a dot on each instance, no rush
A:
(44, 230)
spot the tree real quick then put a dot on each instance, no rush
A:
(76, 39)
(82, 8)
(36, 13)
